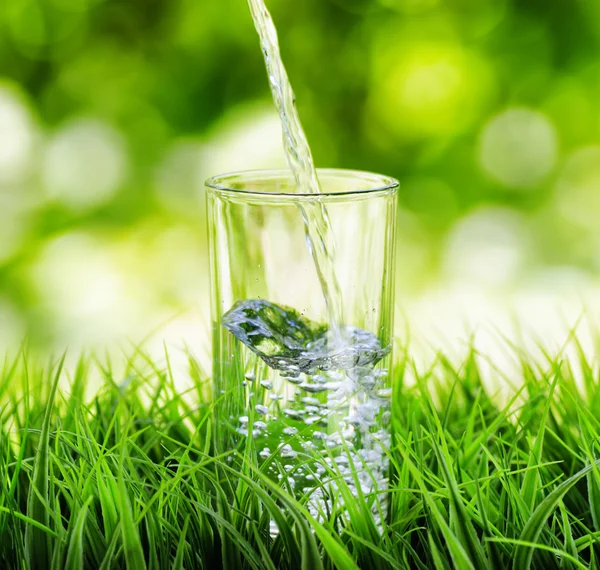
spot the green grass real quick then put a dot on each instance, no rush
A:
(119, 473)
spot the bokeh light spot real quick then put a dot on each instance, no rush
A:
(176, 181)
(429, 89)
(572, 111)
(488, 247)
(84, 164)
(26, 23)
(248, 139)
(14, 224)
(578, 188)
(81, 288)
(17, 136)
(12, 325)
(518, 148)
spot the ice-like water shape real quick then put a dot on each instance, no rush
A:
(294, 345)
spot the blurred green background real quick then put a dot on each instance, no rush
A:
(113, 112)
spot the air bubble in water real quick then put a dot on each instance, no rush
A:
(287, 451)
(313, 388)
(311, 401)
(312, 420)
(293, 414)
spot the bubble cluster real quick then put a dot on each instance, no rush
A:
(331, 426)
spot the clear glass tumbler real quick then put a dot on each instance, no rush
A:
(325, 413)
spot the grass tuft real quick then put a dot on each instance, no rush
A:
(120, 473)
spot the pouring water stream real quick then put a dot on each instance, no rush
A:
(319, 236)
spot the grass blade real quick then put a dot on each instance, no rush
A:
(178, 562)
(74, 559)
(535, 525)
(38, 546)
(132, 544)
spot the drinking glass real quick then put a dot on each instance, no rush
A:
(307, 420)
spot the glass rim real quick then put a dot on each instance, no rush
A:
(380, 183)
